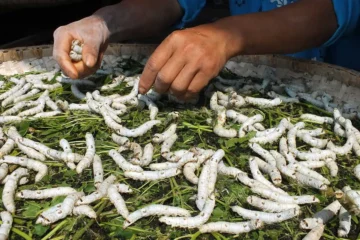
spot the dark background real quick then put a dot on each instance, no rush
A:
(32, 22)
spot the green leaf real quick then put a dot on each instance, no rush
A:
(40, 230)
(31, 210)
(23, 128)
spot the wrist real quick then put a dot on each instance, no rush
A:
(104, 19)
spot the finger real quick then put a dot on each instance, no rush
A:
(196, 85)
(168, 73)
(183, 80)
(62, 46)
(90, 52)
(157, 60)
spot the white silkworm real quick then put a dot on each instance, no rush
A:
(122, 163)
(49, 87)
(310, 181)
(152, 175)
(76, 92)
(315, 233)
(9, 119)
(273, 172)
(226, 89)
(332, 166)
(348, 146)
(118, 201)
(155, 210)
(308, 98)
(240, 118)
(120, 140)
(97, 97)
(270, 206)
(356, 148)
(283, 146)
(99, 193)
(291, 136)
(134, 92)
(254, 168)
(37, 166)
(10, 187)
(317, 119)
(315, 155)
(7, 147)
(249, 122)
(17, 107)
(4, 169)
(160, 137)
(219, 128)
(115, 82)
(338, 130)
(207, 178)
(189, 172)
(236, 100)
(344, 222)
(13, 90)
(268, 218)
(84, 210)
(167, 144)
(98, 171)
(59, 211)
(46, 114)
(308, 172)
(273, 135)
(51, 104)
(7, 221)
(192, 222)
(89, 155)
(321, 217)
(16, 94)
(263, 153)
(123, 188)
(229, 171)
(139, 131)
(137, 150)
(312, 141)
(312, 132)
(188, 157)
(313, 164)
(151, 105)
(79, 107)
(32, 111)
(231, 227)
(45, 193)
(268, 193)
(147, 155)
(214, 103)
(263, 102)
(352, 195)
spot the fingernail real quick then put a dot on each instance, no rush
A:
(142, 90)
(89, 61)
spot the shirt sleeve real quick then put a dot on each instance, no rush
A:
(191, 9)
(348, 15)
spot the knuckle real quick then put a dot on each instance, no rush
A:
(152, 66)
(162, 78)
(176, 35)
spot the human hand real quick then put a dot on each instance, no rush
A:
(186, 61)
(93, 32)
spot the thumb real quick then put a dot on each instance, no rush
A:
(90, 53)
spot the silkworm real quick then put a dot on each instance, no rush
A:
(310, 181)
(308, 98)
(240, 118)
(122, 163)
(273, 172)
(84, 210)
(268, 218)
(321, 217)
(268, 193)
(249, 122)
(273, 135)
(160, 137)
(347, 147)
(13, 90)
(32, 111)
(59, 211)
(37, 166)
(155, 210)
(188, 157)
(152, 175)
(313, 164)
(115, 82)
(315, 155)
(356, 148)
(151, 105)
(7, 147)
(312, 132)
(270, 206)
(45, 193)
(99, 193)
(118, 201)
(235, 100)
(16, 94)
(139, 131)
(4, 169)
(7, 221)
(219, 128)
(317, 119)
(120, 140)
(332, 166)
(262, 102)
(49, 87)
(352, 195)
(315, 233)
(10, 119)
(231, 227)
(291, 136)
(10, 187)
(312, 141)
(284, 99)
(344, 223)
(167, 144)
(192, 222)
(123, 188)
(308, 172)
(134, 92)
(89, 155)
(214, 103)
(266, 155)
(98, 171)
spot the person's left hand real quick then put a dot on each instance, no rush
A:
(186, 61)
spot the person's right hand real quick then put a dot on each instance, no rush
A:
(93, 33)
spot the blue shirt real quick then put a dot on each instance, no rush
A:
(341, 49)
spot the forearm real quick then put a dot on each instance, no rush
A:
(132, 19)
(295, 27)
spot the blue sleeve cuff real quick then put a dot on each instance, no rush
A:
(347, 14)
(191, 10)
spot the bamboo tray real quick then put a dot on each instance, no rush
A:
(342, 83)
